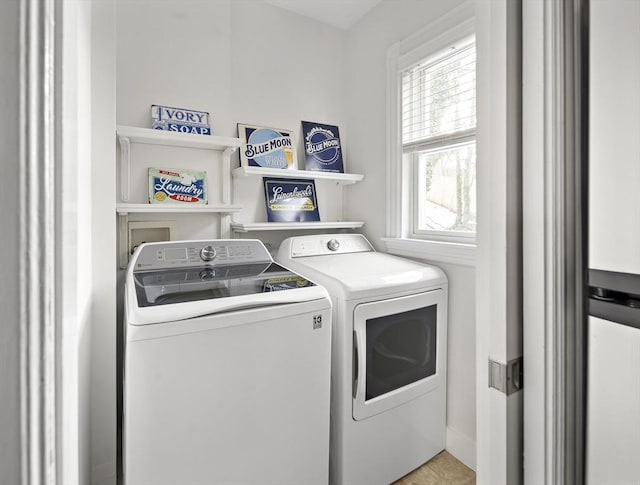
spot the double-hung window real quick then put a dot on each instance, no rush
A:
(438, 131)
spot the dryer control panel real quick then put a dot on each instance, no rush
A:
(185, 254)
(324, 244)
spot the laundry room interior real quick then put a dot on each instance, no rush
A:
(276, 64)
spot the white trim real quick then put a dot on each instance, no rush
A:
(394, 151)
(462, 447)
(40, 202)
(436, 251)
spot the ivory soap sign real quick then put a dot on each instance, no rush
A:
(177, 186)
(180, 120)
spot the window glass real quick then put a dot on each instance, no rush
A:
(446, 189)
(438, 142)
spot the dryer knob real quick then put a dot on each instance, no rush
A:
(207, 253)
(333, 245)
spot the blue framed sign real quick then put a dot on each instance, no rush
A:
(267, 147)
(289, 200)
(322, 150)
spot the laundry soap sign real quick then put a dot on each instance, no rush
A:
(291, 200)
(267, 147)
(322, 148)
(177, 186)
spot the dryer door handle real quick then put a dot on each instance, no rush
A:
(359, 363)
(356, 366)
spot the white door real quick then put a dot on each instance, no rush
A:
(498, 266)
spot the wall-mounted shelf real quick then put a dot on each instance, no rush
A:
(124, 209)
(341, 178)
(132, 134)
(292, 226)
(169, 138)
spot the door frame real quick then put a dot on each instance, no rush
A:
(555, 226)
(499, 416)
(39, 206)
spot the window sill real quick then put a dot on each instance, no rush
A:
(436, 251)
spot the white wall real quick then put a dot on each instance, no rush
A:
(368, 42)
(243, 62)
(9, 198)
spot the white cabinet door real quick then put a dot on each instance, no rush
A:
(613, 407)
(614, 136)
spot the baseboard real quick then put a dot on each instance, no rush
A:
(105, 474)
(462, 447)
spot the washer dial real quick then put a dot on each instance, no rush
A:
(207, 253)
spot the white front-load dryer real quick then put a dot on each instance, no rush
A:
(388, 404)
(226, 368)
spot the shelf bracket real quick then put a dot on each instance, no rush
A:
(225, 226)
(123, 240)
(125, 168)
(226, 174)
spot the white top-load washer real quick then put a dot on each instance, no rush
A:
(388, 403)
(226, 368)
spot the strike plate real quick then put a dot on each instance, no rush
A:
(506, 378)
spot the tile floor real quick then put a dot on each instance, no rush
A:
(443, 469)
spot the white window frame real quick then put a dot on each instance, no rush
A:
(441, 34)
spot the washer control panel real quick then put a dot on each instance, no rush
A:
(305, 246)
(184, 254)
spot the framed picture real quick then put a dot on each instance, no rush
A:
(177, 186)
(267, 147)
(322, 150)
(290, 200)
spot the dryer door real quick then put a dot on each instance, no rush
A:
(399, 351)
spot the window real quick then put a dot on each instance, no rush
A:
(438, 120)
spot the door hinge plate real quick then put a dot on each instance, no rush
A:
(506, 378)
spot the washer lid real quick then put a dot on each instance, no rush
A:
(155, 288)
(354, 274)
(161, 287)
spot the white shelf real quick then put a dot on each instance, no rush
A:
(169, 138)
(292, 226)
(132, 134)
(342, 178)
(124, 209)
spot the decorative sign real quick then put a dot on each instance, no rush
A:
(322, 149)
(290, 200)
(267, 147)
(177, 186)
(285, 283)
(180, 120)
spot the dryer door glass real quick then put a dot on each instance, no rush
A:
(401, 349)
(398, 351)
